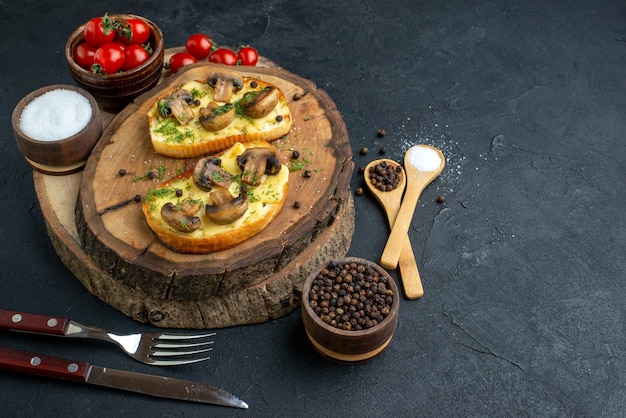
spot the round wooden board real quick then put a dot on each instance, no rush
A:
(111, 250)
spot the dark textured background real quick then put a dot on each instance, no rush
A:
(523, 266)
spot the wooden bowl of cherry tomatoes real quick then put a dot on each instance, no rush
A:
(116, 58)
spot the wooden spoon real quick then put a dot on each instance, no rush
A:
(422, 167)
(390, 201)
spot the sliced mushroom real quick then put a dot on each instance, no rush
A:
(208, 172)
(255, 162)
(177, 104)
(182, 217)
(215, 117)
(226, 209)
(262, 103)
(224, 83)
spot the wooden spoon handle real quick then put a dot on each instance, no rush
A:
(409, 273)
(400, 229)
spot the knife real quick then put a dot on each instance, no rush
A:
(165, 387)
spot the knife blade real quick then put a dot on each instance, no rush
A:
(84, 372)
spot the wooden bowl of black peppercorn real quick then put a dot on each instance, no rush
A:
(350, 309)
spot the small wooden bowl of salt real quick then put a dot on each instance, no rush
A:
(56, 127)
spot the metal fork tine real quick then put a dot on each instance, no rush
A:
(165, 353)
(184, 336)
(180, 345)
(178, 349)
(177, 362)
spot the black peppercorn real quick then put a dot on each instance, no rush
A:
(308, 173)
(137, 198)
(122, 172)
(179, 192)
(151, 175)
(279, 118)
(364, 151)
(297, 204)
(343, 306)
(441, 198)
(385, 177)
(295, 154)
(254, 84)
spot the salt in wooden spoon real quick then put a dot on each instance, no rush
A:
(422, 164)
(390, 201)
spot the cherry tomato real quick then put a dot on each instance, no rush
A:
(134, 56)
(223, 56)
(83, 55)
(99, 30)
(108, 59)
(179, 60)
(120, 44)
(199, 45)
(134, 31)
(247, 56)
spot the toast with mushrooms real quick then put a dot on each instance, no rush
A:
(224, 200)
(207, 116)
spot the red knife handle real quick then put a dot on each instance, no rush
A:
(36, 364)
(41, 324)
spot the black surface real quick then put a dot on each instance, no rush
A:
(523, 265)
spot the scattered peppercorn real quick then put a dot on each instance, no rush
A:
(383, 150)
(197, 102)
(359, 191)
(295, 154)
(137, 198)
(297, 204)
(254, 84)
(385, 177)
(364, 151)
(381, 132)
(441, 198)
(179, 192)
(308, 173)
(361, 169)
(122, 172)
(351, 296)
(279, 118)
(151, 175)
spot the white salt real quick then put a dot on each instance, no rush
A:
(55, 115)
(424, 158)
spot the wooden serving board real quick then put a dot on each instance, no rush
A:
(107, 244)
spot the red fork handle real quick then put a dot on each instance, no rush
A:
(39, 365)
(28, 322)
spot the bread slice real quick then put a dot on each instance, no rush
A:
(185, 137)
(265, 202)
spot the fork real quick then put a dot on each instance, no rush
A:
(155, 348)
